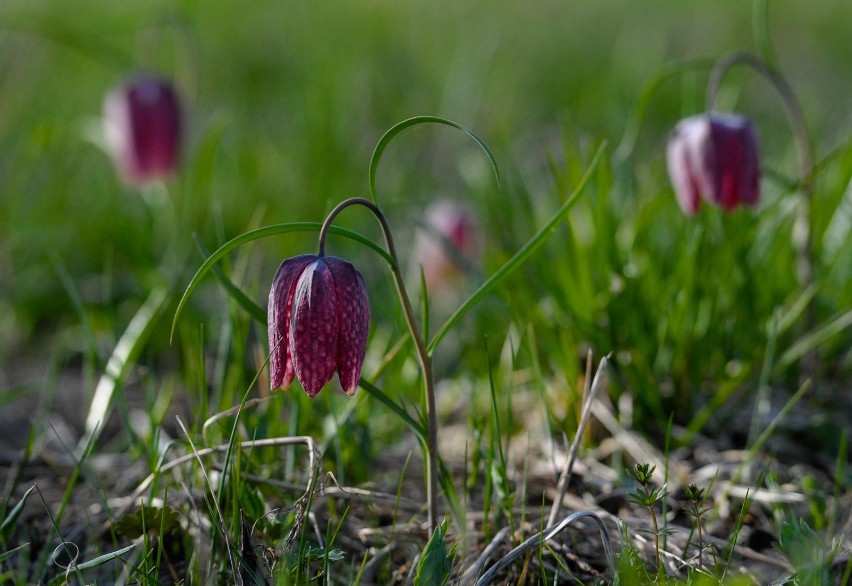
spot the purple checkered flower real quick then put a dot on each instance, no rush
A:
(319, 318)
(142, 124)
(714, 157)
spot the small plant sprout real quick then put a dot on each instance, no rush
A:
(696, 510)
(714, 157)
(142, 124)
(647, 496)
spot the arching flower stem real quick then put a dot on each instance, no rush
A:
(422, 353)
(802, 227)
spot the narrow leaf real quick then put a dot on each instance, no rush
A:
(377, 393)
(9, 522)
(107, 557)
(243, 300)
(522, 255)
(122, 359)
(814, 339)
(8, 554)
(408, 123)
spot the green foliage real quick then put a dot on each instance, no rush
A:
(148, 519)
(810, 557)
(435, 564)
(13, 515)
(583, 248)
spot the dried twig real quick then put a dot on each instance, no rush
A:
(567, 468)
(540, 538)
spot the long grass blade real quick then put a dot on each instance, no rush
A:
(243, 300)
(522, 255)
(122, 359)
(375, 392)
(9, 522)
(545, 536)
(814, 339)
(414, 121)
(107, 557)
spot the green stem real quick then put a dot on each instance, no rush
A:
(700, 540)
(656, 537)
(802, 227)
(420, 344)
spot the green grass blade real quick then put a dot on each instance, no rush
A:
(634, 123)
(814, 339)
(243, 300)
(123, 357)
(839, 482)
(408, 123)
(8, 554)
(9, 522)
(786, 320)
(107, 557)
(272, 230)
(375, 392)
(522, 255)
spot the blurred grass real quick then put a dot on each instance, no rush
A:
(285, 103)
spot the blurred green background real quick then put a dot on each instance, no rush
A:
(286, 100)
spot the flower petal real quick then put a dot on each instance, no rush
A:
(280, 302)
(353, 322)
(714, 157)
(682, 168)
(313, 327)
(143, 127)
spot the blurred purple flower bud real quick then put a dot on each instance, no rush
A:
(319, 318)
(714, 157)
(447, 243)
(142, 123)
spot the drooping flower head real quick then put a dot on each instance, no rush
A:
(142, 121)
(714, 157)
(319, 319)
(447, 242)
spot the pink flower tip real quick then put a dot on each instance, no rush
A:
(447, 243)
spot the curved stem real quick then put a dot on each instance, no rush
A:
(760, 28)
(420, 344)
(802, 228)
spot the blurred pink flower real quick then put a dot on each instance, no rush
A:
(447, 243)
(143, 125)
(319, 319)
(714, 157)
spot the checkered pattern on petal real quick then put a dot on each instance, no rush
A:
(280, 306)
(313, 329)
(353, 322)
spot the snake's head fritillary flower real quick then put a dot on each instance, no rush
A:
(143, 125)
(447, 243)
(319, 319)
(714, 157)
